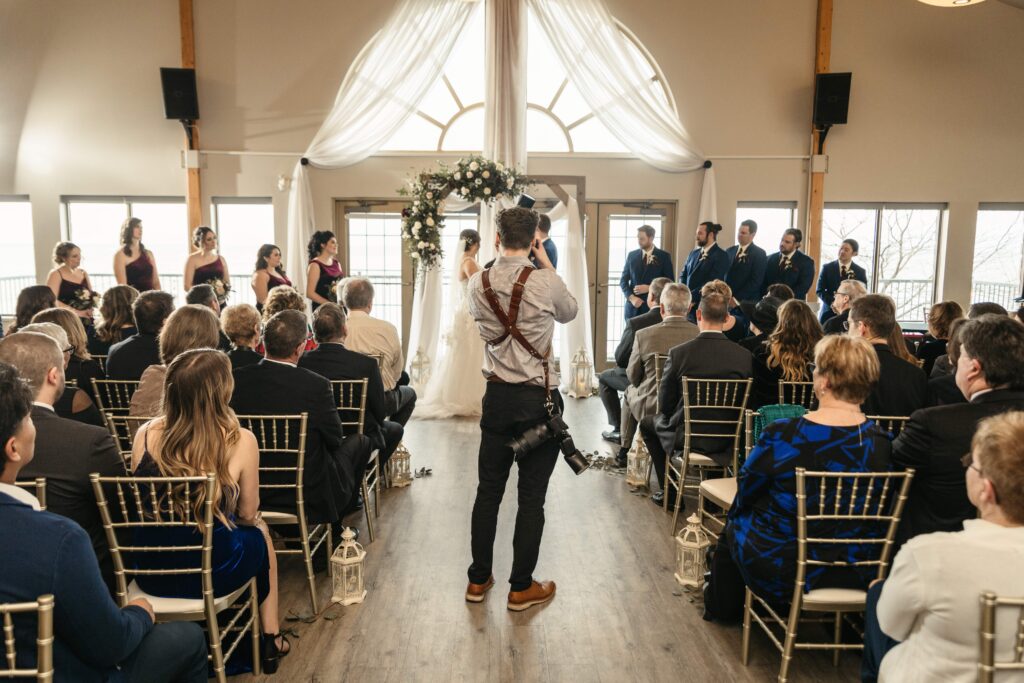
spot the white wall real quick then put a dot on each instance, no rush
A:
(935, 111)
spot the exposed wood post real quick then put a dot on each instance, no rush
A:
(816, 205)
(193, 193)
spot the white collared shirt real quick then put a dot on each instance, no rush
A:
(280, 362)
(19, 494)
(369, 335)
(44, 405)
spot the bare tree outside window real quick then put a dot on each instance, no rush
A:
(906, 259)
(998, 255)
(859, 224)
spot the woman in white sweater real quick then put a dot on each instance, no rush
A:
(924, 624)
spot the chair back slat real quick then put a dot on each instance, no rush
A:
(160, 503)
(42, 607)
(659, 370)
(114, 396)
(890, 424)
(798, 394)
(282, 443)
(379, 357)
(101, 360)
(124, 428)
(987, 635)
(350, 397)
(37, 487)
(714, 411)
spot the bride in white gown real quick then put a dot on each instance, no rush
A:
(456, 385)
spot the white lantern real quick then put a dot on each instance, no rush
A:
(638, 464)
(691, 550)
(347, 570)
(582, 370)
(419, 369)
(399, 470)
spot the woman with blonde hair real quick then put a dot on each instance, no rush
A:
(116, 320)
(205, 265)
(787, 353)
(70, 283)
(81, 367)
(241, 325)
(190, 327)
(197, 433)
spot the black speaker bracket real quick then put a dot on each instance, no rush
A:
(822, 134)
(188, 124)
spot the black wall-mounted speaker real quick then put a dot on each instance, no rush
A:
(180, 99)
(831, 98)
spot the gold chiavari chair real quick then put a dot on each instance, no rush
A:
(798, 394)
(123, 428)
(282, 444)
(721, 491)
(840, 499)
(988, 667)
(891, 424)
(145, 505)
(385, 474)
(350, 397)
(37, 487)
(43, 608)
(101, 360)
(114, 396)
(638, 473)
(70, 383)
(713, 410)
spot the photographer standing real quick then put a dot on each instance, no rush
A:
(515, 307)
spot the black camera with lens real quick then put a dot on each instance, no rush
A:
(538, 435)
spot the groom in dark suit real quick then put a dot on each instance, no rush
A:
(642, 266)
(543, 235)
(790, 266)
(747, 262)
(834, 273)
(706, 263)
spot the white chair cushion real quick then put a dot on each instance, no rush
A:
(171, 607)
(835, 596)
(271, 517)
(701, 460)
(721, 492)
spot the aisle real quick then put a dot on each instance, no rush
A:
(616, 616)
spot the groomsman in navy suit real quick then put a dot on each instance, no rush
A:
(543, 234)
(834, 272)
(747, 262)
(790, 266)
(642, 266)
(706, 263)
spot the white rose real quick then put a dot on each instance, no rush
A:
(473, 166)
(416, 203)
(417, 225)
(469, 174)
(416, 232)
(478, 182)
(499, 168)
(486, 174)
(456, 176)
(464, 190)
(499, 195)
(430, 221)
(415, 254)
(430, 195)
(487, 190)
(422, 245)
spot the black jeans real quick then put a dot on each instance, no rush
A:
(390, 434)
(610, 383)
(401, 401)
(173, 652)
(509, 410)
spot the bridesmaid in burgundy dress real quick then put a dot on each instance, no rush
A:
(205, 266)
(135, 265)
(70, 284)
(268, 274)
(324, 271)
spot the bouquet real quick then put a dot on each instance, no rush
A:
(220, 288)
(85, 300)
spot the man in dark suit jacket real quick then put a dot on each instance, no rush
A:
(790, 266)
(47, 554)
(643, 265)
(835, 273)
(705, 263)
(66, 451)
(902, 386)
(129, 358)
(613, 381)
(990, 371)
(710, 356)
(747, 263)
(333, 361)
(277, 386)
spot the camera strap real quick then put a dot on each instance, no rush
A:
(509, 320)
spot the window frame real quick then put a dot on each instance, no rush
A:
(242, 291)
(997, 206)
(33, 278)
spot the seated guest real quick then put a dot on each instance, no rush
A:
(116, 321)
(735, 328)
(378, 337)
(762, 317)
(129, 358)
(982, 307)
(332, 360)
(614, 380)
(641, 398)
(942, 388)
(66, 451)
(197, 433)
(940, 317)
(190, 327)
(758, 548)
(942, 365)
(930, 600)
(780, 291)
(285, 298)
(709, 356)
(276, 386)
(47, 554)
(787, 353)
(31, 300)
(81, 367)
(206, 295)
(990, 373)
(241, 324)
(73, 403)
(902, 387)
(848, 292)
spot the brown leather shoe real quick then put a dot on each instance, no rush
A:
(475, 591)
(538, 593)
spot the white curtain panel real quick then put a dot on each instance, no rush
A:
(377, 96)
(577, 333)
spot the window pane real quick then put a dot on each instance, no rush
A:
(241, 230)
(543, 134)
(467, 133)
(375, 251)
(906, 259)
(592, 136)
(19, 254)
(622, 240)
(544, 70)
(998, 247)
(856, 224)
(416, 134)
(772, 223)
(165, 233)
(571, 107)
(465, 68)
(439, 103)
(96, 228)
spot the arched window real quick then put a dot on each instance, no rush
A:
(558, 120)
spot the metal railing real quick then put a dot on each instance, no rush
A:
(1002, 293)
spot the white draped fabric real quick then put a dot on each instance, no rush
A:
(577, 333)
(377, 96)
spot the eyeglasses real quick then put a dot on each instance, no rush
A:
(846, 326)
(69, 349)
(968, 462)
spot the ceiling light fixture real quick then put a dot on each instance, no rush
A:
(951, 3)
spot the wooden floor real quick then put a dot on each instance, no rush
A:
(618, 614)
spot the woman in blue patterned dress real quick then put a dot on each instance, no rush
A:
(758, 548)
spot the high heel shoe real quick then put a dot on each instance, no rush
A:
(272, 653)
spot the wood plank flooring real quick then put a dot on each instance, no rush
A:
(618, 614)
